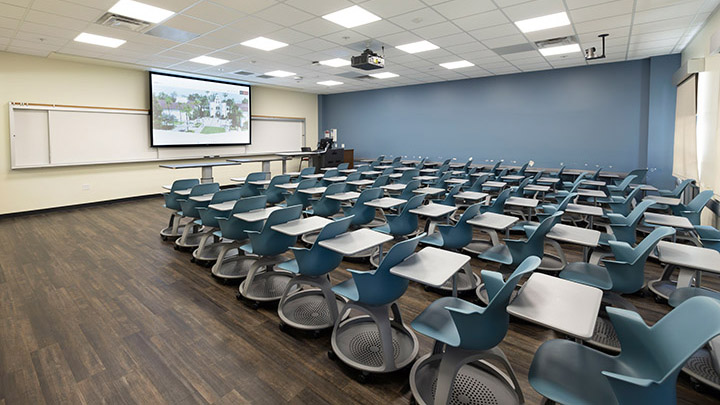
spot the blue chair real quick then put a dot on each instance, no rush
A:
(497, 206)
(207, 253)
(646, 370)
(324, 206)
(709, 236)
(396, 162)
(678, 190)
(440, 181)
(694, 208)
(557, 174)
(640, 175)
(390, 344)
(200, 196)
(304, 172)
(175, 227)
(514, 251)
(274, 194)
(343, 166)
(352, 177)
(407, 192)
(477, 185)
(298, 198)
(249, 190)
(317, 308)
(235, 230)
(621, 188)
(595, 175)
(329, 173)
(625, 274)
(465, 334)
(622, 205)
(382, 180)
(574, 185)
(519, 190)
(496, 167)
(408, 176)
(624, 227)
(363, 214)
(449, 198)
(420, 164)
(404, 223)
(268, 244)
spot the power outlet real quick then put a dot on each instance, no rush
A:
(86, 187)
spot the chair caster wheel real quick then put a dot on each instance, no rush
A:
(659, 299)
(642, 293)
(426, 288)
(316, 334)
(176, 247)
(164, 238)
(192, 260)
(697, 385)
(237, 295)
(331, 355)
(252, 304)
(362, 377)
(413, 401)
(283, 327)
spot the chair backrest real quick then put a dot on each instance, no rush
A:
(560, 171)
(538, 234)
(634, 217)
(408, 176)
(225, 195)
(363, 214)
(420, 164)
(388, 171)
(208, 216)
(566, 201)
(183, 184)
(447, 161)
(698, 203)
(353, 176)
(459, 235)
(709, 236)
(498, 206)
(496, 166)
(595, 175)
(205, 188)
(477, 186)
(485, 330)
(502, 174)
(256, 176)
(407, 193)
(627, 271)
(396, 159)
(171, 199)
(343, 166)
(522, 169)
(306, 171)
(301, 198)
(334, 188)
(381, 287)
(658, 353)
(318, 260)
(678, 190)
(632, 194)
(362, 168)
(413, 203)
(520, 190)
(269, 242)
(382, 180)
(466, 167)
(233, 228)
(640, 175)
(275, 194)
(440, 182)
(331, 173)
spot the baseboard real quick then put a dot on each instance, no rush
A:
(76, 206)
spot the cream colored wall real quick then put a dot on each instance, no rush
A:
(32, 79)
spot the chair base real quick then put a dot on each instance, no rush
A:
(604, 336)
(308, 310)
(310, 238)
(477, 383)
(209, 253)
(662, 288)
(264, 286)
(190, 238)
(357, 341)
(478, 246)
(174, 229)
(467, 281)
(701, 371)
(233, 267)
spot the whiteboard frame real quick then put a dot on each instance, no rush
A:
(54, 107)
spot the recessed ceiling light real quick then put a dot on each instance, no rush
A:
(559, 50)
(209, 60)
(350, 17)
(330, 83)
(457, 65)
(99, 40)
(140, 11)
(544, 22)
(265, 44)
(383, 75)
(337, 62)
(415, 47)
(280, 73)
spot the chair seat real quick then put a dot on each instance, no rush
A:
(247, 248)
(562, 370)
(290, 265)
(498, 254)
(347, 289)
(384, 228)
(218, 234)
(198, 222)
(437, 323)
(434, 239)
(684, 293)
(605, 238)
(588, 274)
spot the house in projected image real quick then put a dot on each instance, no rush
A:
(174, 109)
(218, 108)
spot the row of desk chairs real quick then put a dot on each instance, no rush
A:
(414, 325)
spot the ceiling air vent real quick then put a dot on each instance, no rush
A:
(265, 77)
(119, 21)
(243, 73)
(549, 43)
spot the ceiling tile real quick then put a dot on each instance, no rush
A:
(247, 6)
(665, 13)
(319, 7)
(10, 11)
(604, 24)
(9, 23)
(452, 40)
(28, 51)
(417, 19)
(284, 15)
(400, 38)
(387, 9)
(214, 13)
(317, 27)
(573, 4)
(664, 25)
(53, 20)
(483, 20)
(532, 9)
(438, 30)
(461, 8)
(377, 29)
(345, 37)
(190, 24)
(317, 44)
(253, 27)
(468, 47)
(67, 9)
(220, 38)
(505, 41)
(494, 32)
(594, 13)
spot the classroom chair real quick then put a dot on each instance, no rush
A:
(274, 194)
(200, 196)
(477, 185)
(514, 251)
(408, 176)
(304, 172)
(363, 214)
(694, 208)
(449, 198)
(352, 177)
(407, 192)
(324, 206)
(249, 190)
(329, 173)
(678, 190)
(343, 166)
(622, 187)
(298, 198)
(175, 227)
(312, 309)
(497, 205)
(233, 267)
(595, 175)
(624, 228)
(404, 223)
(464, 335)
(265, 283)
(373, 342)
(557, 174)
(206, 252)
(622, 204)
(382, 180)
(646, 370)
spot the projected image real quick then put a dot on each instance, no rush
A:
(187, 111)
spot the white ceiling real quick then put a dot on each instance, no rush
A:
(463, 29)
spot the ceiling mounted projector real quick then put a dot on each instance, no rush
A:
(368, 60)
(590, 53)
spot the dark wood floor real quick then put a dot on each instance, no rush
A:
(95, 308)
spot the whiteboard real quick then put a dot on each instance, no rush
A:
(44, 135)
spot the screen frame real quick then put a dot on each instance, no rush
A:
(207, 79)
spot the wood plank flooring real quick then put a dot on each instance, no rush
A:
(95, 308)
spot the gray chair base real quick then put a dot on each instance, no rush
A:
(263, 283)
(701, 368)
(174, 229)
(233, 266)
(464, 377)
(310, 309)
(209, 248)
(374, 343)
(190, 237)
(466, 281)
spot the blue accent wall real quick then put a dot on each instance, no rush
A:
(583, 117)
